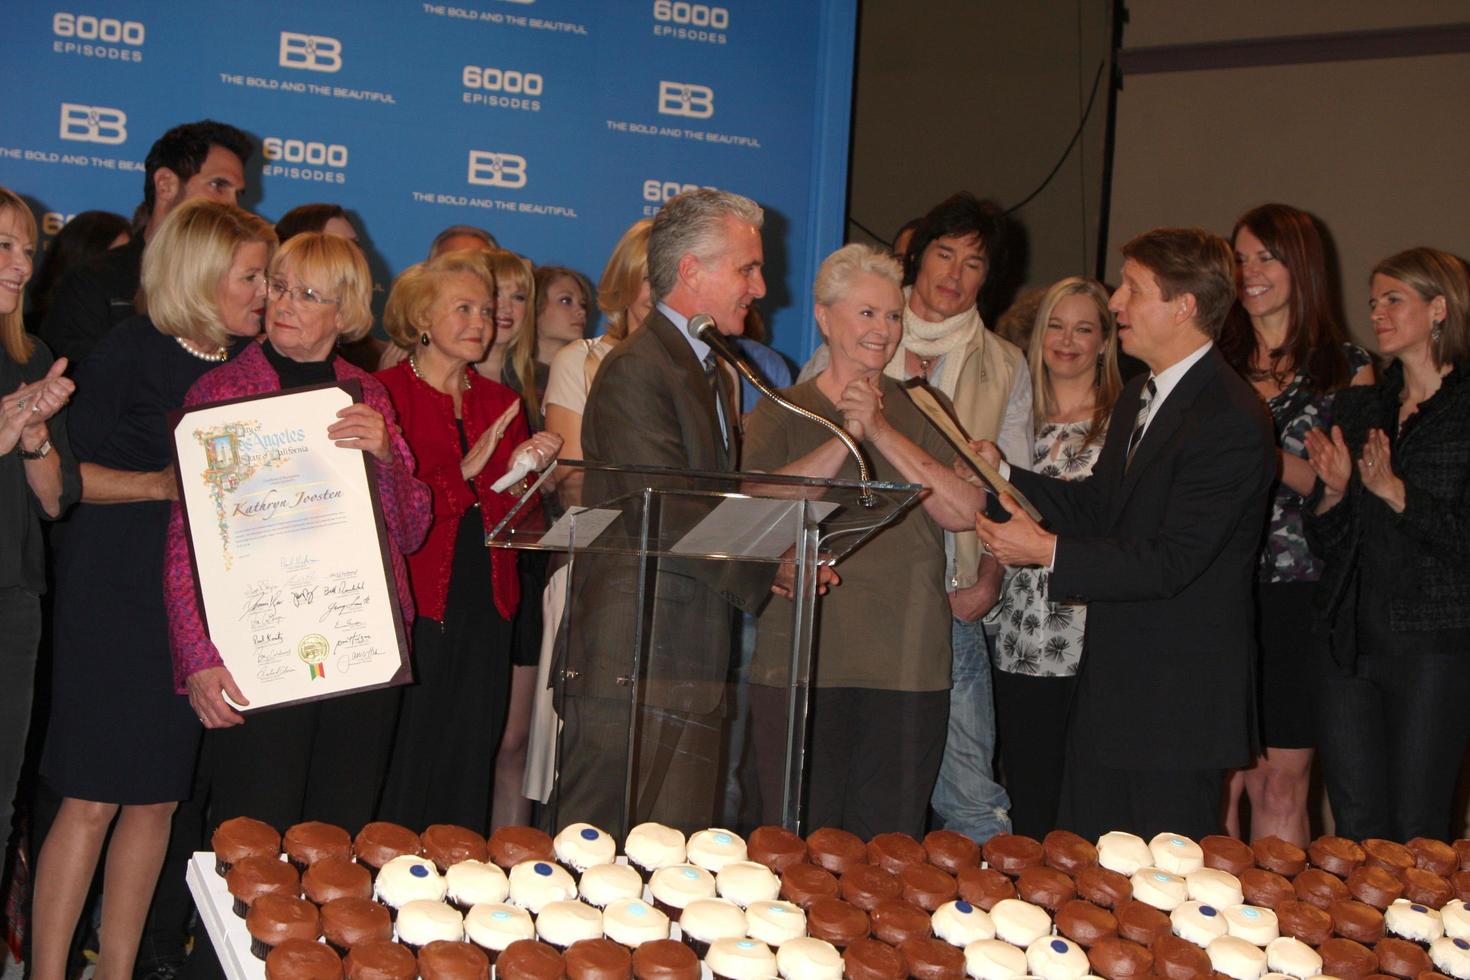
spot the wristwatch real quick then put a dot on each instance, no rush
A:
(40, 452)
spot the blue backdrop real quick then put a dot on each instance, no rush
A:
(553, 123)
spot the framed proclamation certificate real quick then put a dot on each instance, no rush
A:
(289, 547)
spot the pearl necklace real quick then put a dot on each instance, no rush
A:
(218, 357)
(413, 365)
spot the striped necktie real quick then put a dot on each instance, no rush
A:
(1145, 401)
(712, 378)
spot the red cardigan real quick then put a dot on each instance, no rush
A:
(426, 417)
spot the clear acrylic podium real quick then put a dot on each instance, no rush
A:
(657, 563)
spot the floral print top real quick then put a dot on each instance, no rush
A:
(1037, 636)
(1285, 556)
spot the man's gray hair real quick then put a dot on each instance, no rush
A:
(455, 231)
(693, 222)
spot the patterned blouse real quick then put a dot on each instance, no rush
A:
(1037, 636)
(1296, 411)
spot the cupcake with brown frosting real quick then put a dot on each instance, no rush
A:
(1375, 886)
(1388, 855)
(868, 959)
(242, 837)
(895, 921)
(1102, 887)
(1305, 922)
(309, 842)
(1227, 854)
(926, 886)
(447, 844)
(1120, 959)
(1336, 855)
(894, 852)
(348, 922)
(803, 884)
(835, 849)
(1047, 887)
(839, 923)
(984, 887)
(1013, 853)
(950, 850)
(302, 959)
(251, 877)
(598, 959)
(273, 919)
(510, 846)
(865, 885)
(445, 959)
(665, 959)
(1280, 856)
(775, 847)
(1317, 887)
(1069, 853)
(1358, 921)
(1346, 959)
(336, 877)
(379, 961)
(379, 842)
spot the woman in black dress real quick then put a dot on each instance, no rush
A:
(121, 744)
(1388, 519)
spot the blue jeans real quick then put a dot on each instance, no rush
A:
(966, 796)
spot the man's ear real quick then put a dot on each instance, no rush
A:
(1185, 307)
(166, 189)
(691, 270)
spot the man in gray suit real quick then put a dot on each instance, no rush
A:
(660, 399)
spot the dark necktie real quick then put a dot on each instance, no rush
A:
(712, 378)
(1145, 400)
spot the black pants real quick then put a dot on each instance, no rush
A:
(1097, 798)
(1030, 722)
(1393, 730)
(873, 759)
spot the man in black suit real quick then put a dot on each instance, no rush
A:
(1161, 543)
(199, 159)
(660, 399)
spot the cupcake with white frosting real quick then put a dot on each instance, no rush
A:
(744, 882)
(602, 883)
(775, 922)
(581, 846)
(494, 926)
(740, 959)
(677, 885)
(422, 922)
(1176, 853)
(809, 959)
(650, 846)
(714, 848)
(1123, 852)
(471, 883)
(993, 959)
(705, 920)
(959, 923)
(536, 884)
(562, 923)
(633, 922)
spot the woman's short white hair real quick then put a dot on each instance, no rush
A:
(842, 267)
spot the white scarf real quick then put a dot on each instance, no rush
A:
(930, 340)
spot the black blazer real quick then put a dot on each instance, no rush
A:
(1432, 457)
(650, 406)
(1164, 554)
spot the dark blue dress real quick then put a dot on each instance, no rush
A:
(118, 732)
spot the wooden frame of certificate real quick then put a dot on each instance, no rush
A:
(292, 570)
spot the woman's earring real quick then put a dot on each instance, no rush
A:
(1436, 331)
(424, 339)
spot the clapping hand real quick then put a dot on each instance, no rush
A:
(480, 453)
(1330, 459)
(31, 405)
(861, 405)
(1375, 469)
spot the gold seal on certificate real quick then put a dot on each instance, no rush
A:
(313, 651)
(286, 534)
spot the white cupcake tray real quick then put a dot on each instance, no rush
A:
(226, 929)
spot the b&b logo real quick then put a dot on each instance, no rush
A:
(497, 169)
(310, 52)
(93, 124)
(686, 99)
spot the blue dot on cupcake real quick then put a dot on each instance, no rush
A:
(419, 871)
(589, 834)
(963, 907)
(746, 944)
(1057, 946)
(500, 915)
(1462, 944)
(1207, 911)
(723, 838)
(1418, 908)
(543, 869)
(1251, 913)
(690, 873)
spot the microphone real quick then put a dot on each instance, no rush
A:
(702, 327)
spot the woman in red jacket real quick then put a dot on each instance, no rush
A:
(464, 430)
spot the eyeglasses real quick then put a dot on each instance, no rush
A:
(277, 288)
